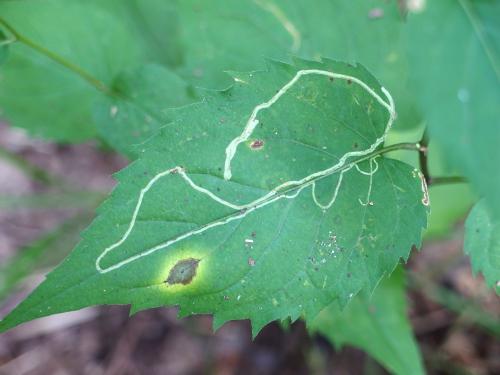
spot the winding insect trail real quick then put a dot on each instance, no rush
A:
(279, 192)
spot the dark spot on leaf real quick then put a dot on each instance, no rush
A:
(349, 81)
(257, 144)
(331, 79)
(349, 274)
(355, 145)
(183, 272)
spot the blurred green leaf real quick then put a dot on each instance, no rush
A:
(202, 40)
(140, 107)
(454, 48)
(44, 97)
(225, 35)
(482, 243)
(4, 46)
(376, 323)
(154, 24)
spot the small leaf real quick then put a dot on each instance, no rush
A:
(454, 49)
(377, 324)
(271, 186)
(482, 243)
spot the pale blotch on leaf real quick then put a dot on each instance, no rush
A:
(183, 272)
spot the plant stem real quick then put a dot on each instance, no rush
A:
(422, 157)
(409, 146)
(58, 59)
(449, 180)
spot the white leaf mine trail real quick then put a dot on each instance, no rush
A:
(275, 194)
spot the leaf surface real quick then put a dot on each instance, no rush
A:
(378, 324)
(140, 107)
(227, 35)
(454, 49)
(191, 43)
(42, 96)
(4, 47)
(482, 243)
(264, 201)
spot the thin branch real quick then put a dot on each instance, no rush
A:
(58, 59)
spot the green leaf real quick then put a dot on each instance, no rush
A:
(140, 107)
(155, 24)
(234, 35)
(253, 29)
(377, 324)
(454, 49)
(4, 47)
(482, 243)
(41, 95)
(218, 214)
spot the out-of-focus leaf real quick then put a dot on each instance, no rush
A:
(482, 243)
(225, 35)
(4, 47)
(454, 48)
(377, 324)
(140, 106)
(44, 97)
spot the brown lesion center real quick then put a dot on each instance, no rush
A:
(183, 272)
(257, 144)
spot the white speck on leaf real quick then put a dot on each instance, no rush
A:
(463, 95)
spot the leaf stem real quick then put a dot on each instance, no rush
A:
(423, 149)
(449, 180)
(58, 59)
(423, 158)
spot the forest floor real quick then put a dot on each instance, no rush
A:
(454, 316)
